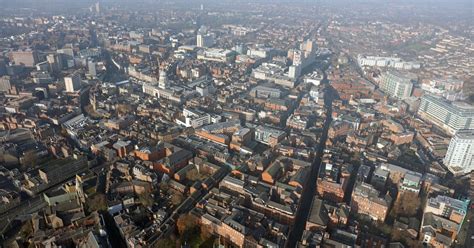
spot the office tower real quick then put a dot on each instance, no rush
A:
(163, 80)
(97, 7)
(199, 40)
(204, 40)
(56, 62)
(450, 116)
(91, 66)
(27, 57)
(297, 57)
(73, 82)
(294, 71)
(307, 46)
(397, 84)
(460, 155)
(5, 84)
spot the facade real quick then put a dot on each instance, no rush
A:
(265, 92)
(274, 71)
(397, 84)
(460, 155)
(92, 68)
(217, 55)
(72, 82)
(411, 182)
(157, 92)
(451, 116)
(390, 62)
(447, 207)
(163, 80)
(366, 200)
(330, 185)
(339, 128)
(194, 118)
(268, 136)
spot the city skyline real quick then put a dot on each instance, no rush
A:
(219, 123)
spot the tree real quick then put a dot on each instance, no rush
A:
(185, 223)
(29, 159)
(192, 175)
(146, 199)
(407, 204)
(165, 243)
(206, 232)
(97, 202)
(177, 198)
(123, 109)
(164, 187)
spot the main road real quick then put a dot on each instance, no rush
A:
(310, 189)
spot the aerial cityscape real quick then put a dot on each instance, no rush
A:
(237, 123)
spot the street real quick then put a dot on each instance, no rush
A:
(310, 188)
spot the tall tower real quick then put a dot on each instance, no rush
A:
(73, 82)
(163, 80)
(460, 155)
(199, 40)
(97, 7)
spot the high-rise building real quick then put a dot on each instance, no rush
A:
(450, 116)
(91, 66)
(73, 82)
(204, 40)
(297, 57)
(27, 57)
(397, 84)
(307, 46)
(294, 71)
(97, 7)
(163, 80)
(460, 155)
(56, 62)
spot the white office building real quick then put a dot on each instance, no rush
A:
(194, 118)
(450, 116)
(460, 155)
(217, 55)
(391, 62)
(397, 84)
